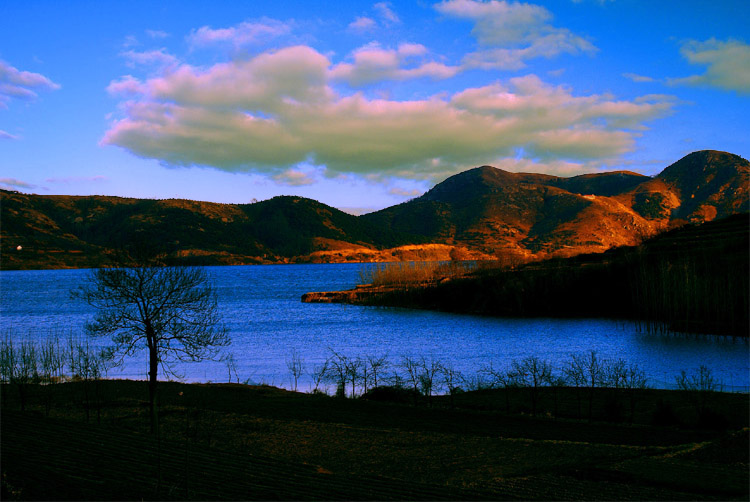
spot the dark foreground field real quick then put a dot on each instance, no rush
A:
(235, 442)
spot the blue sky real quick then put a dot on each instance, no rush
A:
(359, 105)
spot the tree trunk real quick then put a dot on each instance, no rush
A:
(152, 408)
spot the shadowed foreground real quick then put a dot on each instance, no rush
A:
(234, 442)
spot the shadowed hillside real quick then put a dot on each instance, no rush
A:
(535, 215)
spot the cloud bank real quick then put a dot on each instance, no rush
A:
(279, 109)
(273, 111)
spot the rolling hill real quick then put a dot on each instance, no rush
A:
(480, 213)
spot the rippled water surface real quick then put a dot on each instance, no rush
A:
(262, 309)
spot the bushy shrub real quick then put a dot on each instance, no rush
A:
(391, 394)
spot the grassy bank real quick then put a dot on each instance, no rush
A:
(694, 279)
(239, 442)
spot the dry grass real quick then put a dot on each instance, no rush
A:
(414, 273)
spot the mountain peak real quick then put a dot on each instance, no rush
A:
(702, 163)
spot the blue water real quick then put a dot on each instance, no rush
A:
(262, 309)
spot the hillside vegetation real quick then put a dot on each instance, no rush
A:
(694, 279)
(482, 213)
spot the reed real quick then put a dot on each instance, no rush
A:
(404, 274)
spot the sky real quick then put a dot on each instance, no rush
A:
(359, 105)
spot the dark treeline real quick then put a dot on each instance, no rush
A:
(693, 279)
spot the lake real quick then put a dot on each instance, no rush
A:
(267, 321)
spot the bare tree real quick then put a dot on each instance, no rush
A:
(588, 370)
(533, 373)
(170, 311)
(451, 378)
(365, 375)
(52, 361)
(353, 373)
(231, 364)
(296, 366)
(338, 372)
(700, 385)
(87, 365)
(635, 380)
(500, 378)
(614, 373)
(377, 365)
(318, 374)
(26, 369)
(428, 372)
(412, 368)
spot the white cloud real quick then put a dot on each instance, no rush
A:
(386, 13)
(13, 183)
(728, 64)
(553, 167)
(637, 78)
(374, 64)
(7, 135)
(157, 34)
(510, 33)
(130, 41)
(401, 192)
(362, 25)
(276, 110)
(17, 84)
(245, 33)
(293, 177)
(158, 57)
(127, 85)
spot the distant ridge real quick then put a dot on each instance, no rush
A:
(481, 213)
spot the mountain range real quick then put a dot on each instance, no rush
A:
(481, 213)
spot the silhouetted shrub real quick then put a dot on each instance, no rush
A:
(391, 394)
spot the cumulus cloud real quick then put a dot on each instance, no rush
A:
(728, 64)
(553, 167)
(293, 177)
(127, 85)
(270, 113)
(245, 33)
(24, 85)
(375, 64)
(511, 33)
(157, 57)
(362, 24)
(386, 13)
